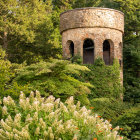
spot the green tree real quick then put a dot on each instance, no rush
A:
(85, 3)
(27, 31)
(62, 4)
(131, 9)
(130, 122)
(7, 73)
(132, 71)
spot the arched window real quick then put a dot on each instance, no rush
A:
(106, 52)
(70, 46)
(88, 52)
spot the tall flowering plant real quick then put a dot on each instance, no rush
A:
(38, 118)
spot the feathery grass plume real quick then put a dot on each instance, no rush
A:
(35, 117)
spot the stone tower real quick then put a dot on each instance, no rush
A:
(91, 33)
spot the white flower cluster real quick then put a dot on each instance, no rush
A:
(40, 118)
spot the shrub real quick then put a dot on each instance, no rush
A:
(109, 108)
(5, 71)
(35, 117)
(77, 59)
(130, 121)
(132, 88)
(106, 79)
(55, 78)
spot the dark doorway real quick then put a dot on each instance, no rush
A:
(106, 52)
(71, 48)
(88, 52)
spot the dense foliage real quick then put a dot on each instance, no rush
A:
(39, 118)
(106, 79)
(130, 121)
(109, 108)
(132, 71)
(54, 78)
(27, 32)
(5, 73)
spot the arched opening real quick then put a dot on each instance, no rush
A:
(88, 52)
(106, 52)
(70, 48)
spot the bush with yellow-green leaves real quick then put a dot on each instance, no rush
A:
(38, 118)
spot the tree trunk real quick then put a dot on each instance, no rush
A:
(5, 41)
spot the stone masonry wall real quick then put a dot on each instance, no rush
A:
(92, 17)
(98, 35)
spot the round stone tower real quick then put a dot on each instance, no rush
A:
(92, 33)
